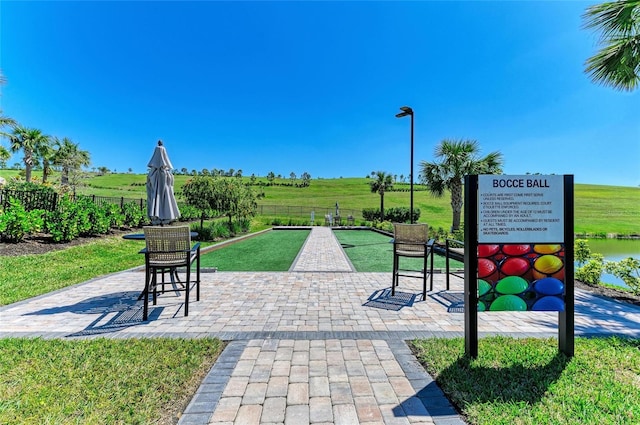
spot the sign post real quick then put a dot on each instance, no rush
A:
(519, 249)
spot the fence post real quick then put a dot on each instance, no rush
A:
(121, 202)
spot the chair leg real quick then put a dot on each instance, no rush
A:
(394, 280)
(162, 273)
(431, 270)
(187, 287)
(446, 260)
(145, 308)
(154, 283)
(198, 276)
(424, 277)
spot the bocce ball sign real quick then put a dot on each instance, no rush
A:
(521, 229)
(515, 209)
(520, 243)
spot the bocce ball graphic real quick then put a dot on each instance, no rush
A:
(485, 251)
(514, 266)
(516, 250)
(547, 249)
(548, 265)
(487, 269)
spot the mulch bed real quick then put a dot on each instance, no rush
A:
(42, 243)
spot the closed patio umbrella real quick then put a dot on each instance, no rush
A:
(161, 202)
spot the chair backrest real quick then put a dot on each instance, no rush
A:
(406, 236)
(168, 244)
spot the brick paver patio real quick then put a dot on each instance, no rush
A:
(319, 344)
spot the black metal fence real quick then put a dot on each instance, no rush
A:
(31, 199)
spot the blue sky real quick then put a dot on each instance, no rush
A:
(314, 86)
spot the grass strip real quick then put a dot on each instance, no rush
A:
(27, 276)
(527, 381)
(271, 251)
(101, 381)
(372, 252)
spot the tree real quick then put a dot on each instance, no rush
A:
(617, 63)
(380, 184)
(271, 177)
(458, 158)
(30, 141)
(306, 179)
(228, 196)
(70, 159)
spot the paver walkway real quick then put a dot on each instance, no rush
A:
(305, 346)
(322, 252)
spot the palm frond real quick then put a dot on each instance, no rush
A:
(613, 18)
(617, 64)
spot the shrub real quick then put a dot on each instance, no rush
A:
(62, 223)
(371, 214)
(628, 270)
(16, 222)
(221, 230)
(394, 214)
(205, 233)
(591, 272)
(245, 224)
(115, 215)
(582, 252)
(133, 215)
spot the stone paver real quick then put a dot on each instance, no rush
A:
(320, 344)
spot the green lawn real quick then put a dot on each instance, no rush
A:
(27, 276)
(101, 381)
(372, 252)
(526, 381)
(271, 251)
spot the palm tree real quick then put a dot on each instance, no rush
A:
(70, 158)
(45, 152)
(458, 158)
(380, 184)
(30, 141)
(617, 64)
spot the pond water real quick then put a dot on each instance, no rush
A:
(615, 250)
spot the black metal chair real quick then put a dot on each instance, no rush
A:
(167, 248)
(412, 240)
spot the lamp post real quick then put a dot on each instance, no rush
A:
(408, 111)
